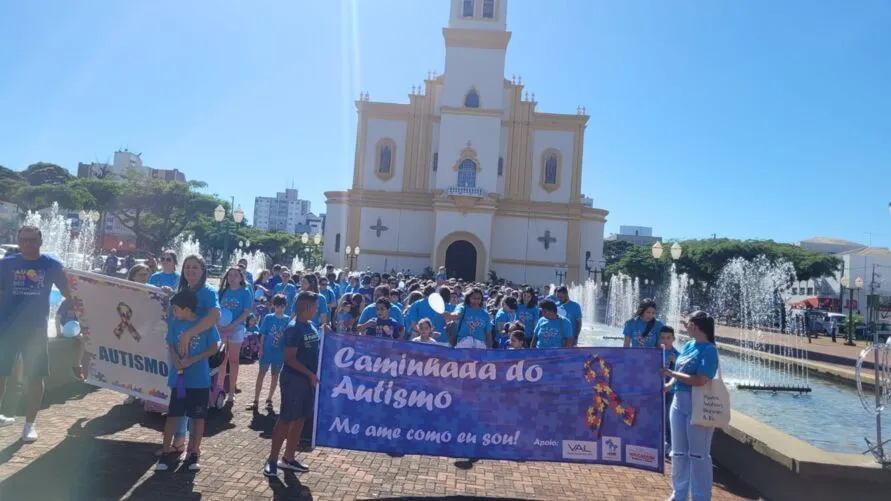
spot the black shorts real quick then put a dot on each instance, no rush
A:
(193, 405)
(29, 341)
(298, 397)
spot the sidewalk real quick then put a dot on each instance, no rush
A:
(820, 349)
(93, 448)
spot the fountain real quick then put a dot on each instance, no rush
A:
(256, 261)
(752, 295)
(677, 301)
(63, 239)
(297, 265)
(587, 295)
(624, 296)
(185, 246)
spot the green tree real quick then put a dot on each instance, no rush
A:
(613, 250)
(33, 198)
(105, 192)
(638, 262)
(10, 182)
(46, 173)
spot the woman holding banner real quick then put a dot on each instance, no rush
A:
(474, 325)
(691, 444)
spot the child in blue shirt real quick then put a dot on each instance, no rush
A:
(272, 349)
(287, 288)
(382, 325)
(343, 317)
(189, 380)
(666, 341)
(506, 315)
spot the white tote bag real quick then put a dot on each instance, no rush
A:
(711, 404)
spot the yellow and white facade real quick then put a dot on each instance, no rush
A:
(467, 174)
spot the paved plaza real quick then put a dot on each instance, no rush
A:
(94, 448)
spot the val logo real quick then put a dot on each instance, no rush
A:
(612, 448)
(579, 449)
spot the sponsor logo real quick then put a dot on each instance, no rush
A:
(579, 449)
(545, 443)
(643, 456)
(611, 448)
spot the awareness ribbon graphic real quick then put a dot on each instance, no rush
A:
(599, 373)
(126, 315)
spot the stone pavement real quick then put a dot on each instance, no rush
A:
(94, 448)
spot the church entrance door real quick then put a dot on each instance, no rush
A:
(460, 260)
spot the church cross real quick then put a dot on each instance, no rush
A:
(547, 239)
(378, 228)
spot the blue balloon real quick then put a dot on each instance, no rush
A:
(55, 297)
(225, 318)
(71, 329)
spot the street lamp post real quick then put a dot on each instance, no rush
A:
(219, 215)
(352, 254)
(560, 271)
(849, 330)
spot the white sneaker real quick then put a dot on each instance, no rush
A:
(29, 433)
(6, 421)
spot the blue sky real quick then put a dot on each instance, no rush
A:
(749, 119)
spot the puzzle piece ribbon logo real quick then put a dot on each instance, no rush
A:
(126, 314)
(599, 373)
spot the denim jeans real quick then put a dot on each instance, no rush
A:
(182, 428)
(691, 465)
(669, 398)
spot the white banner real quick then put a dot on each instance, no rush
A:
(123, 325)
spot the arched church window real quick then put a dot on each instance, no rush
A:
(500, 166)
(385, 159)
(551, 165)
(467, 174)
(467, 9)
(488, 9)
(472, 99)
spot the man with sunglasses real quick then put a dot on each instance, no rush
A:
(26, 280)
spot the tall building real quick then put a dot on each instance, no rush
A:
(125, 161)
(468, 173)
(638, 235)
(283, 212)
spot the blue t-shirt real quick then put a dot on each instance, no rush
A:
(473, 322)
(696, 358)
(370, 312)
(161, 279)
(196, 375)
(529, 317)
(666, 361)
(421, 309)
(635, 327)
(573, 312)
(272, 330)
(387, 328)
(237, 301)
(330, 295)
(249, 278)
(26, 286)
(273, 281)
(368, 292)
(290, 292)
(552, 333)
(343, 321)
(322, 310)
(305, 337)
(502, 318)
(207, 300)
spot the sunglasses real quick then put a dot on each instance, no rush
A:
(167, 260)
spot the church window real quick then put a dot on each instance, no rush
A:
(472, 99)
(385, 159)
(337, 243)
(467, 174)
(551, 161)
(467, 9)
(435, 161)
(488, 9)
(500, 166)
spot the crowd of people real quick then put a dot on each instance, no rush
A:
(289, 312)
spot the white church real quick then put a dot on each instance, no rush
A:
(468, 174)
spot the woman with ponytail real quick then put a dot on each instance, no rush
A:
(691, 468)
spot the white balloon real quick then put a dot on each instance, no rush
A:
(436, 303)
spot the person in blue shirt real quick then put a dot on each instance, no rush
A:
(310, 283)
(26, 280)
(421, 309)
(275, 279)
(284, 286)
(571, 310)
(334, 286)
(370, 311)
(235, 297)
(189, 378)
(351, 285)
(382, 325)
(297, 382)
(670, 355)
(344, 319)
(248, 276)
(691, 444)
(441, 276)
(552, 330)
(505, 316)
(528, 312)
(193, 277)
(167, 278)
(474, 328)
(366, 289)
(642, 331)
(272, 348)
(327, 291)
